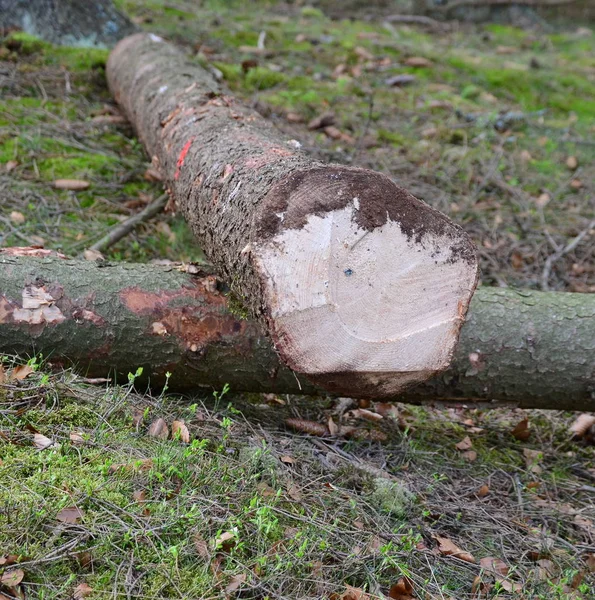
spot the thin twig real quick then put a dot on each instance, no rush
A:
(570, 246)
(124, 228)
(416, 20)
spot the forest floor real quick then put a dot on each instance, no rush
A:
(491, 124)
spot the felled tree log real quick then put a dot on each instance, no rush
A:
(361, 287)
(70, 22)
(532, 349)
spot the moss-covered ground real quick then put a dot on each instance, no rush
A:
(496, 130)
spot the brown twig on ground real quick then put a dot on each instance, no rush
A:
(569, 247)
(123, 229)
(471, 3)
(416, 20)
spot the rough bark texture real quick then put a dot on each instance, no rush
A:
(319, 253)
(532, 349)
(69, 22)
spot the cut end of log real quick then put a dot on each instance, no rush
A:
(366, 286)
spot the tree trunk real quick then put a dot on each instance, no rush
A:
(361, 286)
(69, 22)
(533, 349)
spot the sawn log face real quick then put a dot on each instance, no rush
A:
(358, 283)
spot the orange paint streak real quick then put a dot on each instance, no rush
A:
(182, 157)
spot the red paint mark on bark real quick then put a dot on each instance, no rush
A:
(182, 157)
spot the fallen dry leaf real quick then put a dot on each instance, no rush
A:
(70, 514)
(74, 185)
(82, 590)
(139, 495)
(42, 442)
(18, 218)
(448, 548)
(417, 61)
(21, 372)
(76, 437)
(506, 50)
(311, 427)
(235, 583)
(362, 53)
(470, 455)
(402, 590)
(287, 460)
(265, 489)
(144, 464)
(92, 255)
(400, 80)
(509, 586)
(226, 541)
(321, 121)
(294, 492)
(364, 413)
(179, 430)
(582, 424)
(201, 546)
(572, 163)
(483, 491)
(158, 429)
(521, 431)
(494, 565)
(10, 165)
(8, 559)
(542, 199)
(3, 377)
(590, 562)
(353, 593)
(464, 444)
(332, 426)
(12, 578)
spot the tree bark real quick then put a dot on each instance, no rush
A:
(69, 22)
(531, 349)
(361, 286)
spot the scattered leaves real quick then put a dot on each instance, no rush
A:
(74, 185)
(448, 548)
(92, 255)
(402, 590)
(464, 444)
(82, 590)
(470, 455)
(418, 62)
(18, 218)
(201, 546)
(12, 578)
(521, 431)
(583, 427)
(494, 565)
(180, 431)
(158, 429)
(483, 491)
(226, 541)
(21, 372)
(320, 122)
(70, 514)
(42, 442)
(304, 426)
(400, 80)
(235, 583)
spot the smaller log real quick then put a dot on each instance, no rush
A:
(529, 349)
